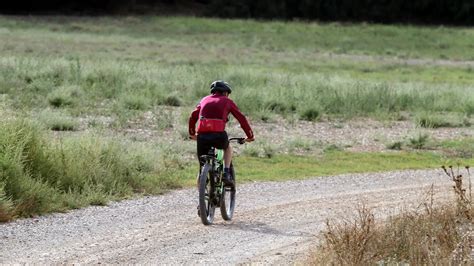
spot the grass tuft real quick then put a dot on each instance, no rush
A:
(310, 114)
(135, 102)
(418, 142)
(63, 96)
(172, 100)
(437, 121)
(57, 121)
(397, 145)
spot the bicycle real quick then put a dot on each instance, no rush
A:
(212, 191)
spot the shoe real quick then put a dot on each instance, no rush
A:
(227, 179)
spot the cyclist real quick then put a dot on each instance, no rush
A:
(212, 113)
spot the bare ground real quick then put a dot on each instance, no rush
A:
(274, 223)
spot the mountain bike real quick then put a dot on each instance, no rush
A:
(212, 192)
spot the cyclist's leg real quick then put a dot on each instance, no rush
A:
(221, 141)
(202, 149)
(227, 156)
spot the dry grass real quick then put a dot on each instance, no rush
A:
(433, 234)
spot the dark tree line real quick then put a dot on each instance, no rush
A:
(384, 11)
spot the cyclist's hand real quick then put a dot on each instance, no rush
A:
(249, 140)
(193, 137)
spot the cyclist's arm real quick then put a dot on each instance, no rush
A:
(244, 124)
(193, 119)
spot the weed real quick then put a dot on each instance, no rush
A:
(268, 151)
(463, 196)
(332, 148)
(165, 119)
(276, 107)
(420, 236)
(172, 100)
(302, 144)
(397, 145)
(419, 142)
(135, 102)
(5, 205)
(63, 96)
(349, 241)
(469, 109)
(437, 121)
(251, 151)
(57, 121)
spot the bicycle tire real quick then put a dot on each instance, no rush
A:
(228, 199)
(206, 206)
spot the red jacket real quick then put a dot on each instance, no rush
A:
(217, 107)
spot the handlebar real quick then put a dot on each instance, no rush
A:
(238, 140)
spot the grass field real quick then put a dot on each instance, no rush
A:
(96, 87)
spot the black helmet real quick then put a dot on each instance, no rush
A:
(221, 86)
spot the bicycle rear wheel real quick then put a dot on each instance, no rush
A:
(228, 199)
(206, 194)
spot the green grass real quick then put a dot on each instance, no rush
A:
(176, 33)
(291, 167)
(275, 67)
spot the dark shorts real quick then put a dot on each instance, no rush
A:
(205, 141)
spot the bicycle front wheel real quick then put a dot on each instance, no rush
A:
(206, 195)
(228, 199)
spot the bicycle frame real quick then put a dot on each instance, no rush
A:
(210, 175)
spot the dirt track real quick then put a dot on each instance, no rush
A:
(275, 222)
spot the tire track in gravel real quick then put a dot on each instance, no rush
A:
(274, 222)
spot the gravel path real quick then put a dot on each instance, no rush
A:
(274, 222)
